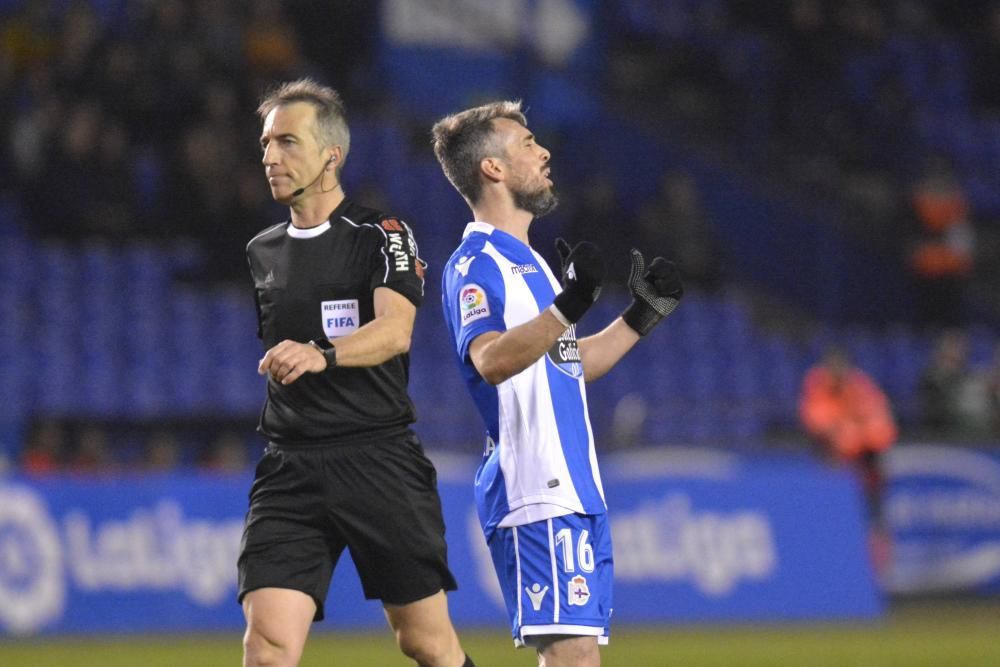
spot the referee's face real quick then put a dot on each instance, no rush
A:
(292, 157)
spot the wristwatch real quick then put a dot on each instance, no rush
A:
(327, 349)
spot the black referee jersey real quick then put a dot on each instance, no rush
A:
(319, 282)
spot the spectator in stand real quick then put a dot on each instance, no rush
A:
(27, 36)
(271, 44)
(162, 452)
(43, 450)
(92, 453)
(945, 386)
(942, 257)
(227, 453)
(848, 417)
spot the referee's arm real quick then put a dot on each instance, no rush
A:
(378, 341)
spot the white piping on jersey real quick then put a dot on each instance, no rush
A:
(385, 278)
(517, 568)
(266, 231)
(416, 252)
(308, 232)
(555, 574)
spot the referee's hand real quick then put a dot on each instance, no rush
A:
(288, 361)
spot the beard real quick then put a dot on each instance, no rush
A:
(537, 203)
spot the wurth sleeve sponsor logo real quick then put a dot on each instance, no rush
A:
(396, 248)
(472, 303)
(400, 246)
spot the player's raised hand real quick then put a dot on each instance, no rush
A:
(288, 361)
(583, 272)
(656, 291)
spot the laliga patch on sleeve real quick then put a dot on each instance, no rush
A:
(340, 317)
(472, 303)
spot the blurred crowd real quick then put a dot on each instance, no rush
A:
(55, 446)
(959, 398)
(137, 121)
(886, 112)
(134, 120)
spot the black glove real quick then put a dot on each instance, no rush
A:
(655, 292)
(583, 273)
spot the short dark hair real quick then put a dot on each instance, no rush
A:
(463, 139)
(331, 117)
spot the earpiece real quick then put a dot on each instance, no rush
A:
(333, 158)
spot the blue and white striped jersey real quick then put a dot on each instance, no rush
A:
(539, 460)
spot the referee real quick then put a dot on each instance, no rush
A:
(337, 288)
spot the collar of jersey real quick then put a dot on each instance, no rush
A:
(310, 233)
(478, 226)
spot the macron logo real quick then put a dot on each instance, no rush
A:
(521, 269)
(463, 264)
(536, 593)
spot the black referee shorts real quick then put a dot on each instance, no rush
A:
(379, 500)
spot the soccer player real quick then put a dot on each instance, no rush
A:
(337, 287)
(538, 488)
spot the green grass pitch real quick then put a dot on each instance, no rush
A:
(952, 634)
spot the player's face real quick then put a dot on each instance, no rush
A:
(529, 180)
(292, 157)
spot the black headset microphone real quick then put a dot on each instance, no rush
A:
(322, 171)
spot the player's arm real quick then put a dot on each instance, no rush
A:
(377, 341)
(499, 356)
(600, 352)
(384, 337)
(656, 291)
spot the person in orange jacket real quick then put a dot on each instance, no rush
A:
(847, 415)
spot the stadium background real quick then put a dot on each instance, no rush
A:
(773, 148)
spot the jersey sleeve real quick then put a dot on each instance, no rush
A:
(397, 264)
(475, 298)
(257, 281)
